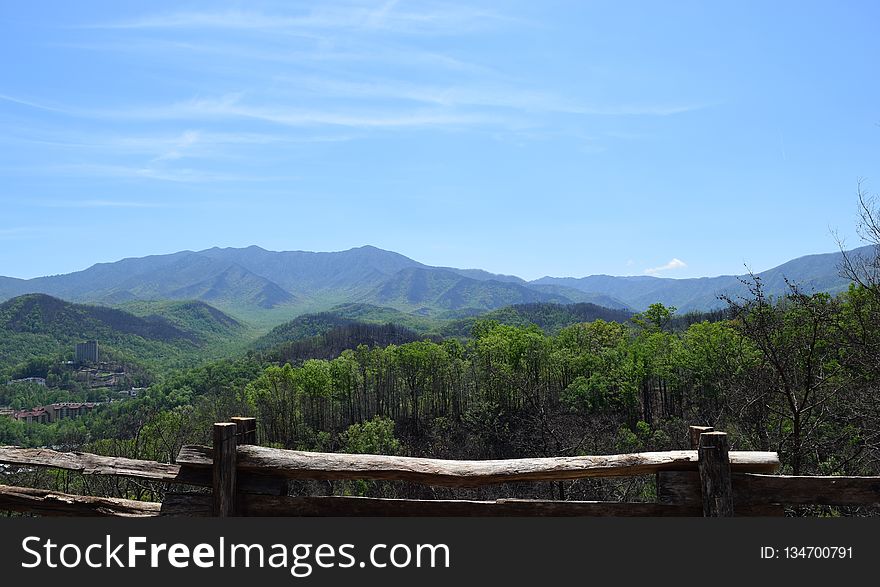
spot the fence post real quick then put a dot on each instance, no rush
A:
(695, 432)
(715, 483)
(247, 429)
(694, 437)
(224, 469)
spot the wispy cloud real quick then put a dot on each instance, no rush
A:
(423, 18)
(16, 232)
(183, 143)
(306, 73)
(29, 103)
(185, 175)
(461, 94)
(162, 146)
(477, 93)
(378, 16)
(98, 204)
(671, 266)
(454, 105)
(231, 106)
(324, 51)
(639, 109)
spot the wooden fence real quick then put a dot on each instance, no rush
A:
(248, 480)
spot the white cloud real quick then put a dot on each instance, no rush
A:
(672, 265)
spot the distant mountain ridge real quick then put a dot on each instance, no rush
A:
(254, 281)
(812, 273)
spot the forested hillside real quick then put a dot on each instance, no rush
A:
(162, 335)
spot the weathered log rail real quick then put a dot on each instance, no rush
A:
(291, 464)
(249, 480)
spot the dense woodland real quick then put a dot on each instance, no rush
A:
(797, 374)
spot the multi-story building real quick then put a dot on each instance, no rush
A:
(40, 415)
(54, 412)
(37, 380)
(64, 410)
(87, 352)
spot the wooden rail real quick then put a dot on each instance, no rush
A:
(293, 464)
(683, 487)
(89, 464)
(248, 480)
(53, 503)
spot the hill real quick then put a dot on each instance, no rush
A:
(197, 318)
(42, 314)
(316, 324)
(38, 324)
(332, 343)
(549, 317)
(350, 322)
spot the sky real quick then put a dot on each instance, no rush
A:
(562, 138)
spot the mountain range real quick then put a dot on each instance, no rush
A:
(268, 287)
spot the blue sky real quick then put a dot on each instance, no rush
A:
(560, 138)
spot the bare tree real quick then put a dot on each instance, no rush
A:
(797, 379)
(861, 269)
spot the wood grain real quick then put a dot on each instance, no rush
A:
(313, 465)
(750, 489)
(53, 503)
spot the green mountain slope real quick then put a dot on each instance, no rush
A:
(549, 317)
(42, 314)
(306, 273)
(316, 324)
(425, 290)
(37, 324)
(576, 295)
(332, 343)
(198, 318)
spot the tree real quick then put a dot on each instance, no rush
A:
(711, 358)
(864, 270)
(798, 375)
(374, 437)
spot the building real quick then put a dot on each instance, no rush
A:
(40, 415)
(37, 380)
(64, 410)
(53, 412)
(133, 392)
(87, 352)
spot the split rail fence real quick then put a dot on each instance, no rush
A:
(248, 480)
